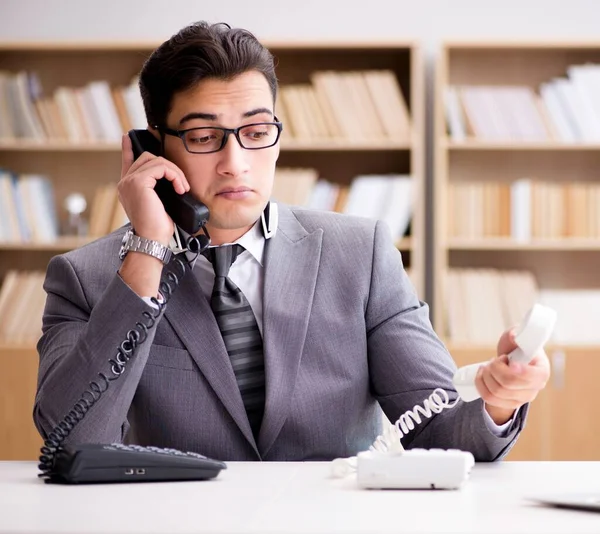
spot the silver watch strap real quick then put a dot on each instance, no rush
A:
(148, 246)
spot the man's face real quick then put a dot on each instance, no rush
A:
(234, 183)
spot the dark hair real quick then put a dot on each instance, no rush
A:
(195, 53)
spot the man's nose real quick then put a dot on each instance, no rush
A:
(234, 157)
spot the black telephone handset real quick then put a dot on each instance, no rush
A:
(117, 462)
(187, 212)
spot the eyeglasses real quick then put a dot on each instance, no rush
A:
(209, 139)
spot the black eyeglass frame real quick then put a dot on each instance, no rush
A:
(226, 133)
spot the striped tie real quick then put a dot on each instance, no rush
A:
(240, 333)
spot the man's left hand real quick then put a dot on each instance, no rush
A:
(505, 386)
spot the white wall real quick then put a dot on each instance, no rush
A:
(429, 21)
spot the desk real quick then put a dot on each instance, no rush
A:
(298, 498)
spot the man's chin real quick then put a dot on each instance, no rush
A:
(234, 221)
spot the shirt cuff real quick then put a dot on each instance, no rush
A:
(148, 300)
(499, 431)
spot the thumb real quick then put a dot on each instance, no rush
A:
(126, 154)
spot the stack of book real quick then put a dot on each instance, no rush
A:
(564, 109)
(483, 303)
(95, 112)
(524, 209)
(352, 106)
(389, 198)
(28, 212)
(22, 300)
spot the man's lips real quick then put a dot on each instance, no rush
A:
(235, 193)
(233, 190)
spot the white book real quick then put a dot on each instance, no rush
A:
(135, 106)
(319, 196)
(454, 115)
(367, 196)
(399, 204)
(520, 210)
(106, 110)
(557, 113)
(586, 93)
(573, 110)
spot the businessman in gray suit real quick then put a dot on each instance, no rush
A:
(288, 338)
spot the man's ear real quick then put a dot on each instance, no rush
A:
(153, 130)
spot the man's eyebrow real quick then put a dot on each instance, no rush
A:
(257, 111)
(213, 117)
(198, 115)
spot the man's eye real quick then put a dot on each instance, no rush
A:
(257, 134)
(202, 140)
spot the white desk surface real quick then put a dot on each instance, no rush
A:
(299, 497)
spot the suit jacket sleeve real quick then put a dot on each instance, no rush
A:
(407, 361)
(78, 340)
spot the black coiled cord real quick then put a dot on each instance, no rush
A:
(125, 352)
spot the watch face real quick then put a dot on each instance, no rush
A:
(123, 250)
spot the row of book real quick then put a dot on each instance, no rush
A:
(389, 198)
(94, 112)
(345, 106)
(22, 300)
(523, 210)
(349, 106)
(483, 303)
(28, 211)
(564, 109)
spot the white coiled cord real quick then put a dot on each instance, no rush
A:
(390, 440)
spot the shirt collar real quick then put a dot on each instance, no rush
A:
(253, 240)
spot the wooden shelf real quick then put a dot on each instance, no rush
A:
(346, 145)
(61, 245)
(464, 348)
(17, 347)
(58, 146)
(404, 244)
(514, 145)
(538, 244)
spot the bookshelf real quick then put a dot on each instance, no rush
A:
(73, 65)
(507, 173)
(85, 165)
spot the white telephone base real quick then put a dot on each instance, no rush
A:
(414, 469)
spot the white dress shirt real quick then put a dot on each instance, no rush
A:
(247, 272)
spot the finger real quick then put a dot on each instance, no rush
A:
(514, 375)
(184, 183)
(497, 390)
(507, 342)
(509, 375)
(493, 400)
(181, 184)
(159, 168)
(126, 154)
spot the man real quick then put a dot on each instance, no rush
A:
(288, 353)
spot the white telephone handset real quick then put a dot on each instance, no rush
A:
(532, 334)
(387, 465)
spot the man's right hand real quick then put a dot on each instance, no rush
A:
(136, 192)
(146, 213)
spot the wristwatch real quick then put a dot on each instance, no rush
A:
(135, 243)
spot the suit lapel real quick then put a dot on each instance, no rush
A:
(291, 265)
(191, 317)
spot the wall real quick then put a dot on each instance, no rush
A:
(427, 20)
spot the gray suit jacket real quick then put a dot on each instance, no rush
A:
(344, 333)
